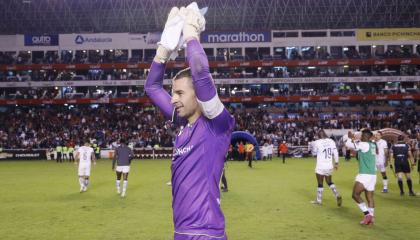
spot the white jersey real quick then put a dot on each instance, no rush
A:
(85, 155)
(324, 149)
(270, 148)
(381, 146)
(264, 150)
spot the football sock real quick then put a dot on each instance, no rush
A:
(385, 182)
(363, 207)
(118, 185)
(371, 211)
(81, 181)
(410, 185)
(334, 189)
(125, 183)
(400, 184)
(319, 194)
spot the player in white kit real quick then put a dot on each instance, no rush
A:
(382, 154)
(85, 156)
(325, 150)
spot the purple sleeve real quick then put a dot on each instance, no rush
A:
(204, 86)
(197, 60)
(156, 92)
(223, 123)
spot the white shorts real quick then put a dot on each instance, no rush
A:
(324, 172)
(84, 170)
(123, 169)
(367, 180)
(380, 166)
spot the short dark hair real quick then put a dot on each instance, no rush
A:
(322, 133)
(401, 137)
(367, 131)
(186, 72)
(86, 140)
(123, 140)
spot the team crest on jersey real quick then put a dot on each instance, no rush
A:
(182, 151)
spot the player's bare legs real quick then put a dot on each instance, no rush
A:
(118, 182)
(333, 188)
(385, 182)
(320, 189)
(125, 177)
(371, 203)
(82, 183)
(409, 183)
(358, 188)
(86, 182)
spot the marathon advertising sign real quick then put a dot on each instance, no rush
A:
(236, 37)
(41, 40)
(12, 154)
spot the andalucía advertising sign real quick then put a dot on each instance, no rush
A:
(80, 39)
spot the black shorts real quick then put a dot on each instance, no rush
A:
(402, 167)
(418, 165)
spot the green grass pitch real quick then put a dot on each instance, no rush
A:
(41, 200)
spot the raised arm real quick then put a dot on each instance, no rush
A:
(156, 92)
(357, 145)
(313, 148)
(154, 82)
(205, 89)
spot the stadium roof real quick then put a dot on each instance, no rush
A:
(139, 16)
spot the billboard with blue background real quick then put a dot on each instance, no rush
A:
(41, 40)
(236, 36)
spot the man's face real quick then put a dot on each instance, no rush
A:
(184, 98)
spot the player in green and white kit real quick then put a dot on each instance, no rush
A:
(366, 179)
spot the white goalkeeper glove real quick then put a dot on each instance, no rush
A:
(194, 21)
(162, 54)
(171, 35)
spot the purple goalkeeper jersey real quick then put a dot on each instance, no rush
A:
(199, 151)
(197, 166)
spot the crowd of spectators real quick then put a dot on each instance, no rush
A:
(46, 127)
(217, 73)
(222, 54)
(298, 127)
(318, 89)
(43, 127)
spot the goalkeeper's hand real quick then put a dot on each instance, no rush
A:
(170, 36)
(194, 23)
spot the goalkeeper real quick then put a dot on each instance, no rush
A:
(206, 127)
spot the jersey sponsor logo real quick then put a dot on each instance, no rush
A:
(182, 151)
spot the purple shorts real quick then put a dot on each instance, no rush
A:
(178, 236)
